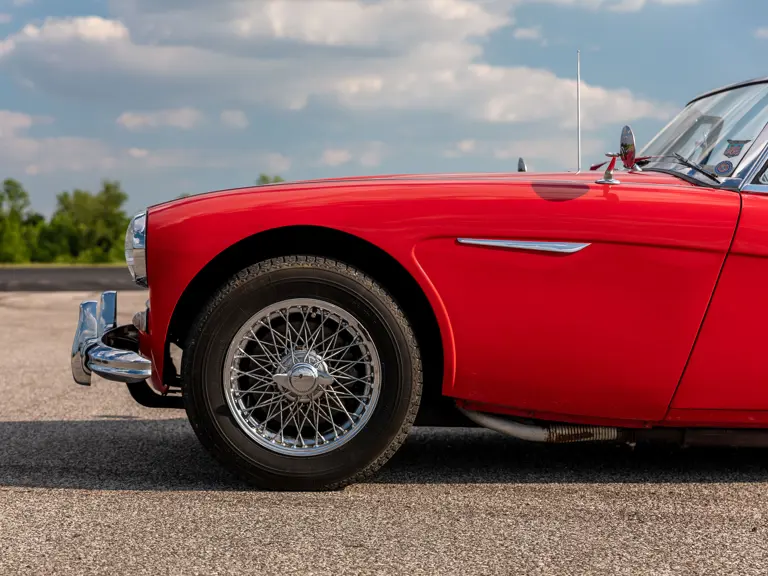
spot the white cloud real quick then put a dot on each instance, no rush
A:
(39, 155)
(428, 61)
(276, 163)
(234, 119)
(546, 148)
(335, 157)
(372, 154)
(5, 18)
(138, 152)
(357, 55)
(533, 33)
(19, 151)
(88, 28)
(68, 154)
(561, 146)
(368, 154)
(616, 5)
(182, 118)
(462, 148)
(213, 158)
(392, 23)
(762, 33)
(13, 122)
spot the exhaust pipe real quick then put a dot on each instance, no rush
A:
(555, 433)
(566, 433)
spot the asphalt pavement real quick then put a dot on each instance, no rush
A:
(92, 483)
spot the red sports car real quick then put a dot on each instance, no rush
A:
(306, 326)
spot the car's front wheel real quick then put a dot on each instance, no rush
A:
(301, 373)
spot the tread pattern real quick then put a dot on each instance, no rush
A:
(294, 262)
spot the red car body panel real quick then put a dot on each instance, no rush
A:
(603, 334)
(728, 368)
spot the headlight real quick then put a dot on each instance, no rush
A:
(136, 248)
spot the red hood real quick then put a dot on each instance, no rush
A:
(585, 177)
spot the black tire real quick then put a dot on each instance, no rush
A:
(235, 303)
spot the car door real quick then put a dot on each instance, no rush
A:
(601, 330)
(728, 369)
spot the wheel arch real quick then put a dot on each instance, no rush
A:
(370, 259)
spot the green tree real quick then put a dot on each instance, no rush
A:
(15, 198)
(267, 179)
(85, 227)
(14, 204)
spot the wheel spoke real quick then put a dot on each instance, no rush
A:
(338, 377)
(251, 374)
(273, 333)
(334, 334)
(332, 394)
(272, 358)
(343, 350)
(252, 358)
(348, 393)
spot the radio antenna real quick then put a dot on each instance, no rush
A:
(578, 109)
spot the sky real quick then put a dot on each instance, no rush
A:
(186, 96)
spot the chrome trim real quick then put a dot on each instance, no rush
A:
(90, 353)
(729, 87)
(756, 188)
(559, 247)
(140, 321)
(749, 183)
(753, 160)
(84, 335)
(106, 319)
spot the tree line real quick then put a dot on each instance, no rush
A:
(85, 227)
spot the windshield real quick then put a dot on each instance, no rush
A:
(715, 132)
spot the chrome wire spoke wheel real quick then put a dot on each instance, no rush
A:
(290, 392)
(302, 377)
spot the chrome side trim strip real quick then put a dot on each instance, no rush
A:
(756, 188)
(559, 247)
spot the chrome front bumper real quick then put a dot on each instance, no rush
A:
(104, 348)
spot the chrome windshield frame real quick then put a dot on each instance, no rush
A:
(750, 182)
(751, 163)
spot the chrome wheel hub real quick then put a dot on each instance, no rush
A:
(301, 380)
(305, 375)
(302, 377)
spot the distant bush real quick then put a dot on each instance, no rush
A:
(267, 179)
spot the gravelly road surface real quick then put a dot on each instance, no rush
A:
(91, 483)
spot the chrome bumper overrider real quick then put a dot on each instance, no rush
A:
(104, 348)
